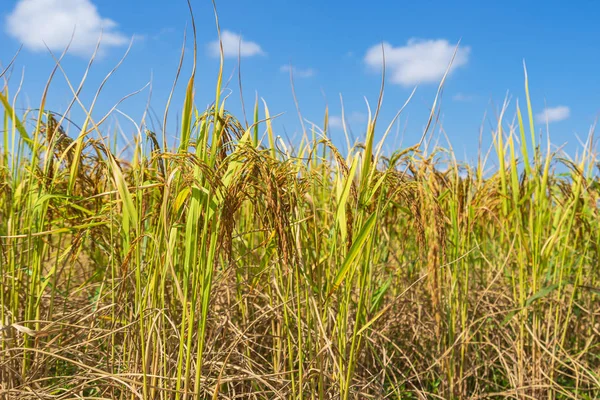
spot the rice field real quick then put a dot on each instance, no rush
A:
(229, 266)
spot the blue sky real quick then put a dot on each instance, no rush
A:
(334, 47)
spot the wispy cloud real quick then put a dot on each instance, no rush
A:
(553, 114)
(163, 32)
(355, 118)
(298, 72)
(419, 61)
(41, 23)
(463, 97)
(234, 44)
(335, 121)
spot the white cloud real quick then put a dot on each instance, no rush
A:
(420, 61)
(35, 22)
(463, 97)
(298, 72)
(553, 114)
(232, 46)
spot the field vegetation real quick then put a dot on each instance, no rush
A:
(232, 265)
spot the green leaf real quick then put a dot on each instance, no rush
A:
(543, 292)
(355, 249)
(379, 293)
(18, 124)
